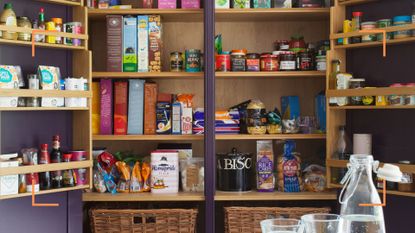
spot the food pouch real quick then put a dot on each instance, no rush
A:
(123, 185)
(108, 180)
(99, 183)
(289, 170)
(136, 184)
(265, 166)
(106, 161)
(145, 173)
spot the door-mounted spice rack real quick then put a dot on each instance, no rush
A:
(64, 2)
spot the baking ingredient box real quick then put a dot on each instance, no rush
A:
(142, 53)
(106, 106)
(9, 185)
(163, 114)
(135, 106)
(114, 43)
(290, 106)
(167, 4)
(164, 172)
(129, 56)
(96, 108)
(120, 107)
(150, 101)
(154, 55)
(190, 4)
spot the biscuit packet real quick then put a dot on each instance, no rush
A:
(145, 173)
(136, 183)
(289, 169)
(123, 185)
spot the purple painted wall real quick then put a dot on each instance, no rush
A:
(30, 129)
(393, 131)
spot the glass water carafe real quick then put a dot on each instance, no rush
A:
(359, 189)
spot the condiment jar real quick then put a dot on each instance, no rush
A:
(384, 23)
(223, 62)
(269, 62)
(407, 184)
(410, 99)
(321, 63)
(24, 22)
(58, 28)
(297, 44)
(238, 60)
(304, 61)
(193, 60)
(402, 20)
(369, 26)
(282, 45)
(396, 100)
(252, 62)
(176, 62)
(356, 83)
(287, 61)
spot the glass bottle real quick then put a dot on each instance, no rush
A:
(44, 177)
(41, 26)
(56, 157)
(335, 67)
(343, 151)
(68, 175)
(359, 189)
(8, 18)
(356, 25)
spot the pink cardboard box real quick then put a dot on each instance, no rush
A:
(190, 4)
(167, 4)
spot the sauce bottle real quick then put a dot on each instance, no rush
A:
(41, 25)
(56, 157)
(44, 177)
(8, 18)
(68, 175)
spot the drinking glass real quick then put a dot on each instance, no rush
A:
(280, 225)
(362, 223)
(320, 223)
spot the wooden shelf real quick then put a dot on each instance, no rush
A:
(63, 2)
(41, 45)
(410, 168)
(44, 93)
(181, 196)
(272, 14)
(43, 109)
(371, 107)
(277, 74)
(379, 91)
(269, 136)
(147, 137)
(274, 196)
(167, 75)
(376, 43)
(388, 192)
(45, 192)
(45, 167)
(169, 15)
(354, 2)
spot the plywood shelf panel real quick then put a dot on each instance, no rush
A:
(142, 197)
(63, 2)
(274, 196)
(153, 75)
(389, 192)
(45, 192)
(379, 91)
(354, 2)
(269, 136)
(371, 107)
(376, 43)
(41, 45)
(43, 109)
(44, 93)
(410, 168)
(45, 167)
(277, 74)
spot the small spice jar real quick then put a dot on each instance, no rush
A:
(396, 100)
(304, 61)
(369, 26)
(368, 100)
(321, 63)
(176, 62)
(407, 183)
(24, 22)
(252, 62)
(402, 20)
(410, 99)
(356, 83)
(287, 61)
(269, 62)
(58, 27)
(282, 45)
(384, 23)
(238, 60)
(297, 44)
(223, 62)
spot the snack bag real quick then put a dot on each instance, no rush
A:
(315, 178)
(106, 161)
(108, 180)
(186, 100)
(123, 185)
(99, 183)
(289, 170)
(136, 184)
(265, 166)
(145, 173)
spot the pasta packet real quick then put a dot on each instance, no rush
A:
(146, 172)
(123, 185)
(136, 184)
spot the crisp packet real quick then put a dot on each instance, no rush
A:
(123, 185)
(136, 183)
(99, 183)
(108, 180)
(146, 172)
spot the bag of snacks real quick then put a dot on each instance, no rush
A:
(123, 185)
(256, 117)
(265, 166)
(99, 183)
(136, 184)
(274, 122)
(289, 169)
(108, 180)
(315, 178)
(145, 173)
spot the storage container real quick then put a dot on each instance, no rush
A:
(192, 174)
(402, 21)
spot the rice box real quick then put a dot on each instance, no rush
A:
(165, 172)
(8, 80)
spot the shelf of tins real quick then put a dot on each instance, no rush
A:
(353, 2)
(195, 137)
(186, 15)
(274, 196)
(148, 197)
(82, 37)
(391, 29)
(64, 2)
(42, 192)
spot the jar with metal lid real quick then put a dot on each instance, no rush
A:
(58, 28)
(269, 62)
(407, 183)
(321, 63)
(238, 60)
(384, 23)
(282, 45)
(223, 62)
(368, 100)
(297, 44)
(369, 26)
(396, 100)
(252, 62)
(34, 84)
(356, 83)
(410, 99)
(234, 171)
(304, 61)
(402, 20)
(24, 22)
(287, 61)
(176, 62)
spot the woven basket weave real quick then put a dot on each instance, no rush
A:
(145, 221)
(247, 219)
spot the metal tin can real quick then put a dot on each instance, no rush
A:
(223, 62)
(402, 20)
(193, 60)
(50, 26)
(81, 173)
(24, 22)
(384, 23)
(234, 171)
(347, 27)
(176, 62)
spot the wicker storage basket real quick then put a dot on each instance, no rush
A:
(146, 221)
(247, 219)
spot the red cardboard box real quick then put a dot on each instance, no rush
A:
(120, 108)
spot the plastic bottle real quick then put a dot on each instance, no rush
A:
(8, 18)
(356, 25)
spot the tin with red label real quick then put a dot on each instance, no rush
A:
(252, 62)
(223, 62)
(269, 62)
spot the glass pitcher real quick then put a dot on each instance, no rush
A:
(359, 189)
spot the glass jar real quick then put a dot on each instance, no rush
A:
(176, 62)
(402, 21)
(410, 99)
(287, 61)
(24, 22)
(252, 62)
(396, 100)
(269, 62)
(223, 62)
(321, 63)
(369, 26)
(297, 44)
(282, 45)
(304, 61)
(356, 83)
(384, 23)
(359, 189)
(238, 60)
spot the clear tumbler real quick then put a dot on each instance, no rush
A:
(280, 225)
(320, 223)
